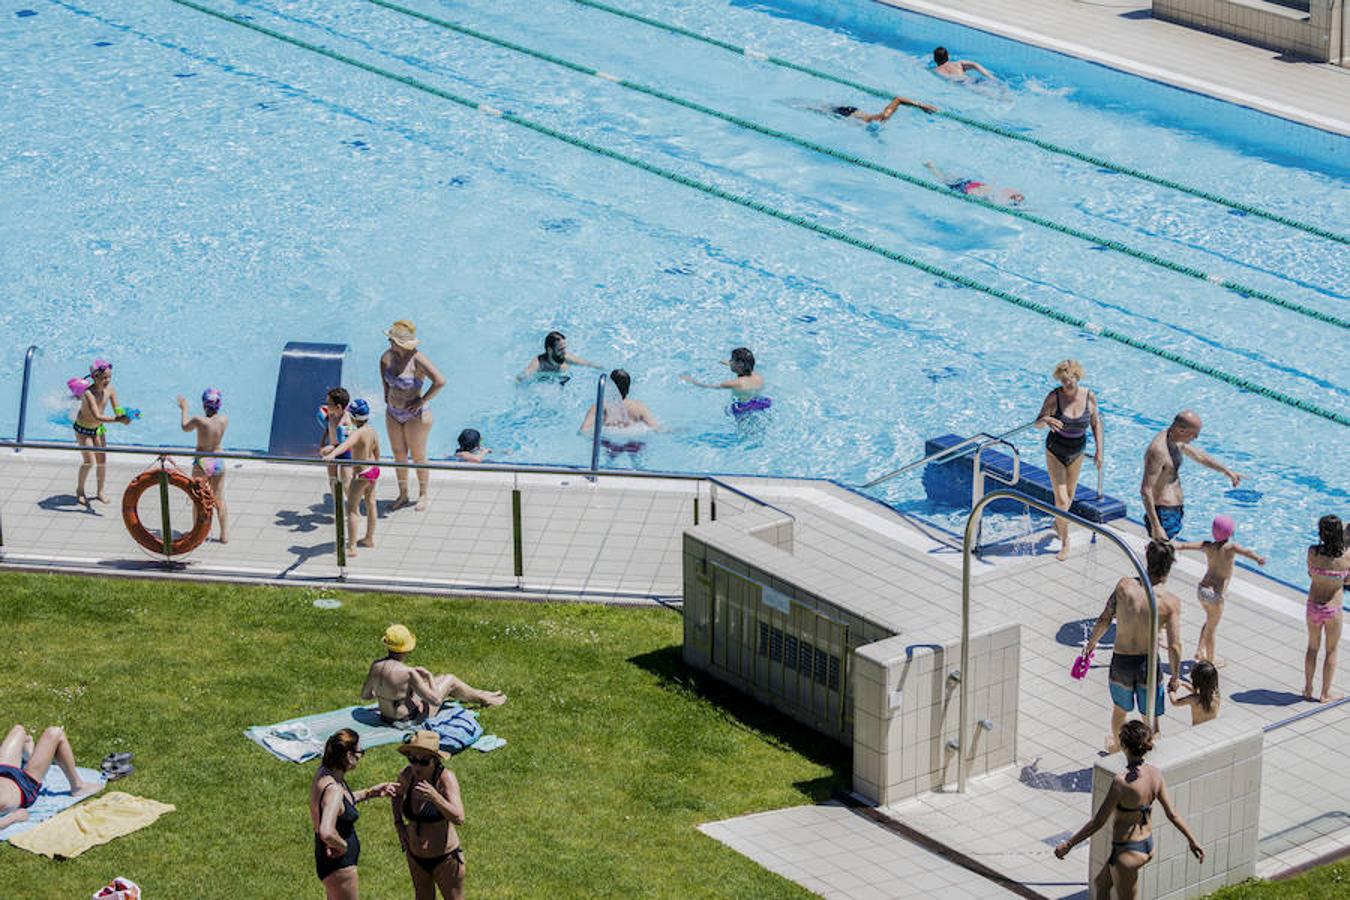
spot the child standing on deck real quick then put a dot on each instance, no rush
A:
(1220, 555)
(210, 430)
(364, 444)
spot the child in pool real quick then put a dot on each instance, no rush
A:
(90, 430)
(1220, 555)
(363, 443)
(1204, 697)
(747, 387)
(471, 447)
(210, 430)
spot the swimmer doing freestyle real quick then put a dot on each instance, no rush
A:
(853, 112)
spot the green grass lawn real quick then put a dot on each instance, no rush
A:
(616, 752)
(1325, 883)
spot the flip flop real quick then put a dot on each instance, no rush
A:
(117, 759)
(120, 770)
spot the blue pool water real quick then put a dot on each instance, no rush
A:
(184, 196)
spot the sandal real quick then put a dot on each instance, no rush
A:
(119, 770)
(117, 759)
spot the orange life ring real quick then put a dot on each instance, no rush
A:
(198, 491)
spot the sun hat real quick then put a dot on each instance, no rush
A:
(1223, 527)
(425, 741)
(399, 639)
(404, 334)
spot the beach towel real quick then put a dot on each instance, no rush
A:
(300, 740)
(103, 818)
(54, 797)
(456, 728)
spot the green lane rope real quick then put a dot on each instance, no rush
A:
(973, 123)
(799, 221)
(864, 163)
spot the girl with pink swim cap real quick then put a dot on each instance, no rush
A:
(1220, 554)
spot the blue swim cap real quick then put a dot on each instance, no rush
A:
(211, 398)
(359, 410)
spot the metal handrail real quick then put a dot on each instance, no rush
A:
(33, 350)
(978, 474)
(982, 438)
(972, 525)
(446, 466)
(598, 424)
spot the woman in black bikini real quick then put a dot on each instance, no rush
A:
(332, 812)
(1068, 412)
(1131, 796)
(427, 807)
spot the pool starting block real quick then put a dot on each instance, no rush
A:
(950, 482)
(307, 372)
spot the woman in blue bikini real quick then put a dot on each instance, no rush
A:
(1068, 411)
(1131, 797)
(747, 387)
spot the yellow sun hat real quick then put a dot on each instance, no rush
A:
(399, 639)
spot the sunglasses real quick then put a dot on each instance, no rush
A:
(422, 760)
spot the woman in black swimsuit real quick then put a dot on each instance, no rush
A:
(1131, 796)
(427, 807)
(1068, 412)
(332, 812)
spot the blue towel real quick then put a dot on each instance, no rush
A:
(54, 797)
(457, 728)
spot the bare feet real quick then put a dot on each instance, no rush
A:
(1330, 698)
(100, 498)
(366, 542)
(351, 550)
(493, 698)
(1112, 745)
(422, 502)
(400, 501)
(224, 540)
(85, 788)
(1063, 553)
(1308, 695)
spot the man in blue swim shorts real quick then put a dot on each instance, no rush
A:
(1161, 487)
(1128, 605)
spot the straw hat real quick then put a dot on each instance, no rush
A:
(404, 334)
(399, 639)
(423, 741)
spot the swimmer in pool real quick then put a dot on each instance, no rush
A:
(622, 412)
(364, 444)
(471, 447)
(852, 112)
(747, 388)
(976, 188)
(957, 69)
(555, 359)
(210, 430)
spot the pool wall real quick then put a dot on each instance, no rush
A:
(1280, 140)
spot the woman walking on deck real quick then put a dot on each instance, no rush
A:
(1068, 411)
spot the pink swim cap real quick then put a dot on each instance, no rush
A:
(1223, 528)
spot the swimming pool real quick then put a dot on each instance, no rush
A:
(186, 195)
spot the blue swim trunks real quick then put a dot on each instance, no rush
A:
(1169, 517)
(27, 784)
(1129, 682)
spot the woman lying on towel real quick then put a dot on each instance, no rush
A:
(20, 782)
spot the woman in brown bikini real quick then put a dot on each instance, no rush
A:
(427, 807)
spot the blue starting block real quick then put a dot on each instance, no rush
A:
(307, 372)
(950, 482)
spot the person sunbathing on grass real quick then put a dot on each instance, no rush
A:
(411, 693)
(20, 782)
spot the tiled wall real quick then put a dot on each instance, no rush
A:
(1214, 777)
(805, 670)
(1308, 32)
(906, 708)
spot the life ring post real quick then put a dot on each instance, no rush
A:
(166, 532)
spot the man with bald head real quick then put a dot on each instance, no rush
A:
(1161, 489)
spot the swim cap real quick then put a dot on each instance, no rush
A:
(1223, 527)
(211, 398)
(359, 410)
(100, 365)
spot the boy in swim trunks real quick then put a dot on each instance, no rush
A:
(364, 445)
(1128, 606)
(21, 782)
(1220, 554)
(210, 430)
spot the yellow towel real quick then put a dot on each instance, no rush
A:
(73, 831)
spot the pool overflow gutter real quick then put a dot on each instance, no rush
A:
(793, 219)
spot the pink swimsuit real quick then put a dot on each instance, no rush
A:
(371, 474)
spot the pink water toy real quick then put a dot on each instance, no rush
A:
(1081, 664)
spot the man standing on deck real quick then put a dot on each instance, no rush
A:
(1161, 488)
(1128, 605)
